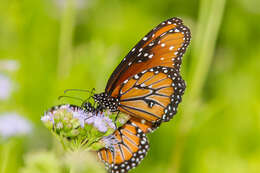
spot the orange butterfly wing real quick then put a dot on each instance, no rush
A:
(163, 46)
(130, 149)
(152, 95)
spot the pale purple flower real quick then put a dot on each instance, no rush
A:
(90, 119)
(109, 122)
(12, 124)
(76, 113)
(75, 126)
(101, 122)
(48, 117)
(6, 87)
(80, 115)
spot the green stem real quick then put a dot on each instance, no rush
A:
(210, 17)
(66, 38)
(204, 44)
(6, 151)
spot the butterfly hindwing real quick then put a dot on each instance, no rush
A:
(130, 149)
(152, 95)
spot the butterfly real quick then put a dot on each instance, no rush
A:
(146, 85)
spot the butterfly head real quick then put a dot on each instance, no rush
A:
(88, 106)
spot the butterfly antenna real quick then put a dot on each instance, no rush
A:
(93, 91)
(91, 95)
(81, 90)
(76, 98)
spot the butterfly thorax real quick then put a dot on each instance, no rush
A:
(106, 101)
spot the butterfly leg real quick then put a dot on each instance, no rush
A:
(116, 118)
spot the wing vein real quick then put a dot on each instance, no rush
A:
(157, 81)
(141, 110)
(129, 89)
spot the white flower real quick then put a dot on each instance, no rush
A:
(5, 87)
(12, 124)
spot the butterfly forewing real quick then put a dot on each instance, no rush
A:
(163, 46)
(131, 148)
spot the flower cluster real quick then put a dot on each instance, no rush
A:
(77, 128)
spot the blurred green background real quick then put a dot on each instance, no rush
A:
(47, 46)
